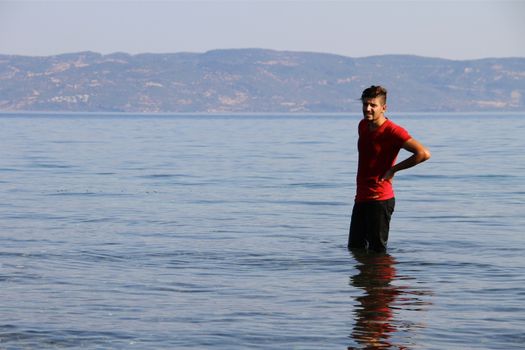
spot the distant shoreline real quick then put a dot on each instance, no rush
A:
(254, 81)
(251, 114)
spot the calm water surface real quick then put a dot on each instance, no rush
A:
(229, 232)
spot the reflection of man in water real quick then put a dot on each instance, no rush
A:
(376, 323)
(380, 140)
(374, 314)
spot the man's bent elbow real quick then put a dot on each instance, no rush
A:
(424, 155)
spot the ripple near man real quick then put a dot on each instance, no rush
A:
(379, 143)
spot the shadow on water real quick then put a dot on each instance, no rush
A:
(384, 312)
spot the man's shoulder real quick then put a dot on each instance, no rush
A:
(362, 126)
(393, 125)
(397, 130)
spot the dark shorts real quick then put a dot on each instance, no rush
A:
(370, 224)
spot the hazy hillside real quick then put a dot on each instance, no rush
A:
(255, 80)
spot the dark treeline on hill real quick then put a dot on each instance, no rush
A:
(256, 80)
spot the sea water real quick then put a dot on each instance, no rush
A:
(230, 231)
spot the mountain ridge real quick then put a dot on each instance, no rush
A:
(255, 81)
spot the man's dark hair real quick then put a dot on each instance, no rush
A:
(373, 92)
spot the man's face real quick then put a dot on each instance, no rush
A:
(373, 109)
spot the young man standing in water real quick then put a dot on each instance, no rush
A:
(380, 141)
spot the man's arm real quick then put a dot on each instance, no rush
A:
(419, 154)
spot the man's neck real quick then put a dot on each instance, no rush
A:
(375, 124)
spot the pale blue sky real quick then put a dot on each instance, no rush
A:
(466, 29)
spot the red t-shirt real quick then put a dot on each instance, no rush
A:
(378, 151)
